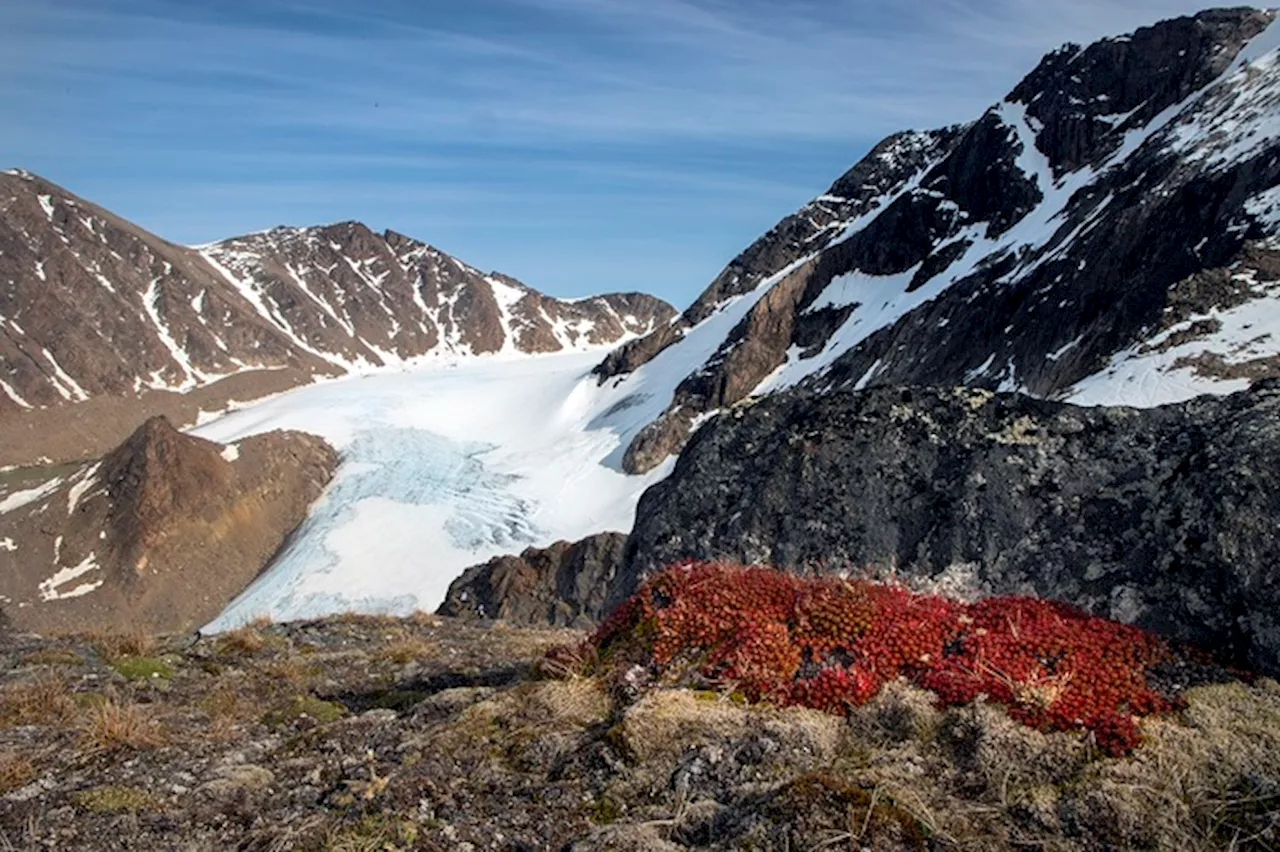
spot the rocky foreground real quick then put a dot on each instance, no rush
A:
(369, 733)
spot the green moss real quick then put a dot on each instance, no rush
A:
(109, 799)
(143, 668)
(604, 810)
(735, 698)
(305, 705)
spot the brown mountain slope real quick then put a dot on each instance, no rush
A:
(160, 534)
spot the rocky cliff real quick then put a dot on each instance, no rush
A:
(564, 585)
(1107, 233)
(1161, 517)
(159, 535)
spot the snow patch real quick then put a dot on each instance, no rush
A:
(18, 499)
(1149, 373)
(66, 386)
(86, 481)
(49, 588)
(10, 392)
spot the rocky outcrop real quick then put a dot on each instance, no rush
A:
(1161, 517)
(93, 306)
(564, 585)
(160, 534)
(1038, 248)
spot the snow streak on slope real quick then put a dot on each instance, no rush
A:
(443, 467)
(1158, 371)
(1221, 124)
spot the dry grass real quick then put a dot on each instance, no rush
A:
(900, 712)
(113, 646)
(422, 618)
(288, 674)
(405, 649)
(52, 657)
(242, 642)
(373, 833)
(668, 723)
(229, 708)
(42, 701)
(361, 619)
(111, 725)
(16, 770)
(1209, 781)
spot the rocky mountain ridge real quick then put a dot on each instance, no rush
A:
(92, 305)
(1107, 234)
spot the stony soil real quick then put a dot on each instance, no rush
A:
(368, 733)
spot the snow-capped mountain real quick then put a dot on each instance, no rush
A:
(92, 305)
(1109, 233)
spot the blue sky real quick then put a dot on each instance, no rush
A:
(579, 145)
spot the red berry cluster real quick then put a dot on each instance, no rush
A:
(832, 644)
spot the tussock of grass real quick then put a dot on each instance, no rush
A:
(41, 701)
(241, 642)
(111, 725)
(406, 649)
(422, 618)
(1208, 781)
(296, 674)
(374, 833)
(16, 770)
(112, 646)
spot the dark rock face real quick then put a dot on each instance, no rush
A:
(160, 534)
(1076, 91)
(94, 306)
(1162, 517)
(564, 585)
(1025, 250)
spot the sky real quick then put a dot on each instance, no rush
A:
(582, 146)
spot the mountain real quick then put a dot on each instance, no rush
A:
(94, 308)
(1109, 233)
(159, 535)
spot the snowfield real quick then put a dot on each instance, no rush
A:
(444, 466)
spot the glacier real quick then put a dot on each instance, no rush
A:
(444, 465)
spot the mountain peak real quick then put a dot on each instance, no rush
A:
(1084, 99)
(1105, 234)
